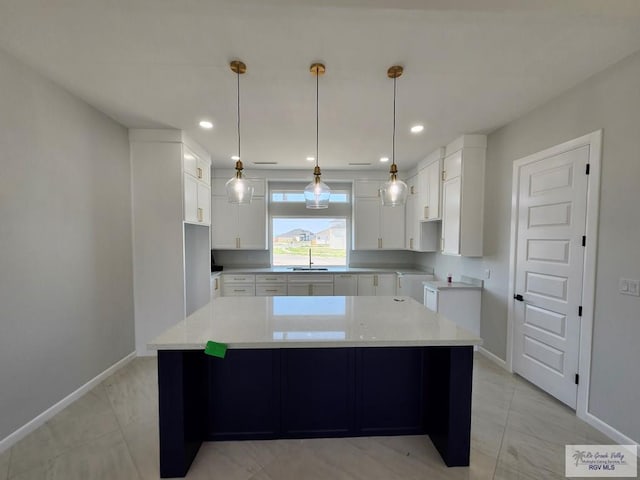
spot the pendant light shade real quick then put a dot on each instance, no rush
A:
(395, 191)
(317, 193)
(239, 189)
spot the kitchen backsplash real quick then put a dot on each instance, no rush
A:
(261, 258)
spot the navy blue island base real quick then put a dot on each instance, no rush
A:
(276, 393)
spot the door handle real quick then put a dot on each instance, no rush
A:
(519, 297)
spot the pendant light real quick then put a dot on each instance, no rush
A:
(239, 189)
(317, 193)
(394, 193)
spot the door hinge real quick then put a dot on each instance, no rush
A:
(588, 169)
(580, 311)
(584, 240)
(577, 379)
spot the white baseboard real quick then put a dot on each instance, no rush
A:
(38, 421)
(608, 430)
(494, 358)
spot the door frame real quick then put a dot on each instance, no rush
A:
(594, 141)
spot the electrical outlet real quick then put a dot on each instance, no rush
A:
(629, 287)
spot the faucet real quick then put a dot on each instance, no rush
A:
(310, 262)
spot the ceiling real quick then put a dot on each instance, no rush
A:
(470, 66)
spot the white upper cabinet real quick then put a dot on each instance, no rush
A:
(375, 227)
(430, 197)
(197, 187)
(238, 227)
(419, 236)
(463, 196)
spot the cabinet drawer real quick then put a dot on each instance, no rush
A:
(238, 279)
(271, 279)
(239, 290)
(309, 278)
(264, 290)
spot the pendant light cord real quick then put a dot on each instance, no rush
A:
(317, 113)
(393, 141)
(238, 89)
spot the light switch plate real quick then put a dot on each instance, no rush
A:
(629, 287)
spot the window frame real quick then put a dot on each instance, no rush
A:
(292, 210)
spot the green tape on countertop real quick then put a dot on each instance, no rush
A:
(216, 349)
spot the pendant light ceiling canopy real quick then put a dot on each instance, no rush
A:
(317, 193)
(239, 189)
(394, 193)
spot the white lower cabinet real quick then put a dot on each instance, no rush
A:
(345, 284)
(239, 290)
(216, 286)
(310, 289)
(238, 285)
(378, 284)
(460, 305)
(267, 290)
(271, 285)
(309, 285)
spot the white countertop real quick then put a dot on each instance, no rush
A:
(444, 285)
(330, 270)
(294, 322)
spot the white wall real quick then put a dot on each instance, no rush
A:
(66, 298)
(609, 100)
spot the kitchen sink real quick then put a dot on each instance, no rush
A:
(309, 269)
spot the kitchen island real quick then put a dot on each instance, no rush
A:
(304, 367)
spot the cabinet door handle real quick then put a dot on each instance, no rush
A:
(215, 284)
(412, 190)
(444, 175)
(411, 243)
(442, 244)
(200, 214)
(199, 170)
(271, 290)
(426, 212)
(375, 280)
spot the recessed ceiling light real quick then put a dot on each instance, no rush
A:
(235, 157)
(311, 159)
(206, 124)
(384, 159)
(417, 128)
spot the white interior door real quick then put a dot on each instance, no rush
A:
(552, 196)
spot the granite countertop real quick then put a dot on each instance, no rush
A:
(330, 270)
(298, 322)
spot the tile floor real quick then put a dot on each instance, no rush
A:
(518, 432)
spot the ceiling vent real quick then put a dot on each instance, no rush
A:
(359, 164)
(265, 163)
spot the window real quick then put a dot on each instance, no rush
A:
(294, 238)
(295, 231)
